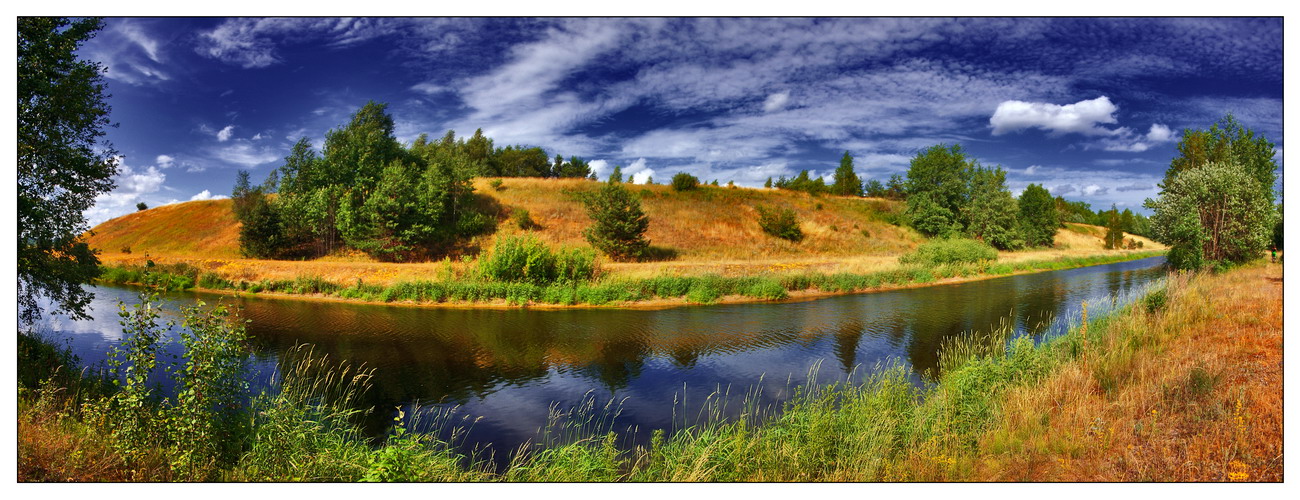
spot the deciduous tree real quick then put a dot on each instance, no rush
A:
(63, 163)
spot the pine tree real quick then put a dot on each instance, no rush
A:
(618, 223)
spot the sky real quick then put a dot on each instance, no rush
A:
(1090, 108)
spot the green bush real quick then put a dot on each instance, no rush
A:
(779, 222)
(522, 219)
(618, 223)
(950, 251)
(525, 259)
(683, 181)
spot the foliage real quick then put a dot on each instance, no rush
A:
(374, 195)
(62, 163)
(141, 207)
(991, 213)
(1114, 239)
(210, 421)
(260, 234)
(1231, 143)
(683, 181)
(525, 259)
(618, 223)
(523, 219)
(1039, 218)
(950, 251)
(779, 222)
(1213, 212)
(846, 181)
(616, 176)
(131, 412)
(943, 174)
(929, 217)
(803, 182)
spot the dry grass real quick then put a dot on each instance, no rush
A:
(712, 230)
(1191, 395)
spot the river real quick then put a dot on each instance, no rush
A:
(507, 370)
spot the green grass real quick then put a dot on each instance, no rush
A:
(570, 282)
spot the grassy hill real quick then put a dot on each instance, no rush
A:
(712, 229)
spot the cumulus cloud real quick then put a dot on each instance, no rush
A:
(638, 172)
(1082, 117)
(776, 101)
(223, 135)
(207, 195)
(133, 185)
(1125, 140)
(599, 167)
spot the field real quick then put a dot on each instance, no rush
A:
(712, 230)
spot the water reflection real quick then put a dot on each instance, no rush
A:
(510, 366)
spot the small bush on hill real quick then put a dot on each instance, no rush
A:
(618, 223)
(779, 222)
(950, 251)
(683, 181)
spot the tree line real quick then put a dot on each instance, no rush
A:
(366, 191)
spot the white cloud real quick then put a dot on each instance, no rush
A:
(1032, 169)
(776, 101)
(165, 161)
(243, 153)
(133, 186)
(131, 55)
(598, 167)
(1081, 117)
(207, 195)
(1093, 189)
(1160, 133)
(638, 172)
(224, 134)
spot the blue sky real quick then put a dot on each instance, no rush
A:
(1090, 108)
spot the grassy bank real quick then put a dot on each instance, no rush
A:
(1184, 385)
(469, 288)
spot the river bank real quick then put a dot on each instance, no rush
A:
(1183, 385)
(657, 292)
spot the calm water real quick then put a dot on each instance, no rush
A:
(508, 368)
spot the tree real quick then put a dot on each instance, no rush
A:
(616, 176)
(141, 207)
(990, 216)
(1227, 142)
(896, 188)
(768, 184)
(942, 175)
(1039, 218)
(873, 188)
(618, 223)
(846, 181)
(62, 163)
(1212, 212)
(260, 235)
(1114, 239)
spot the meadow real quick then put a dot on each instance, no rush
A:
(708, 242)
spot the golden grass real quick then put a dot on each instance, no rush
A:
(712, 230)
(1194, 394)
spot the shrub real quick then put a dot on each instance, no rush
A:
(525, 259)
(779, 222)
(683, 181)
(618, 224)
(496, 184)
(523, 219)
(950, 251)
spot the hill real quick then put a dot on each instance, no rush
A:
(712, 229)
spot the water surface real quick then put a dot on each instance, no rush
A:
(509, 368)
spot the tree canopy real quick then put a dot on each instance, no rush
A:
(63, 163)
(846, 180)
